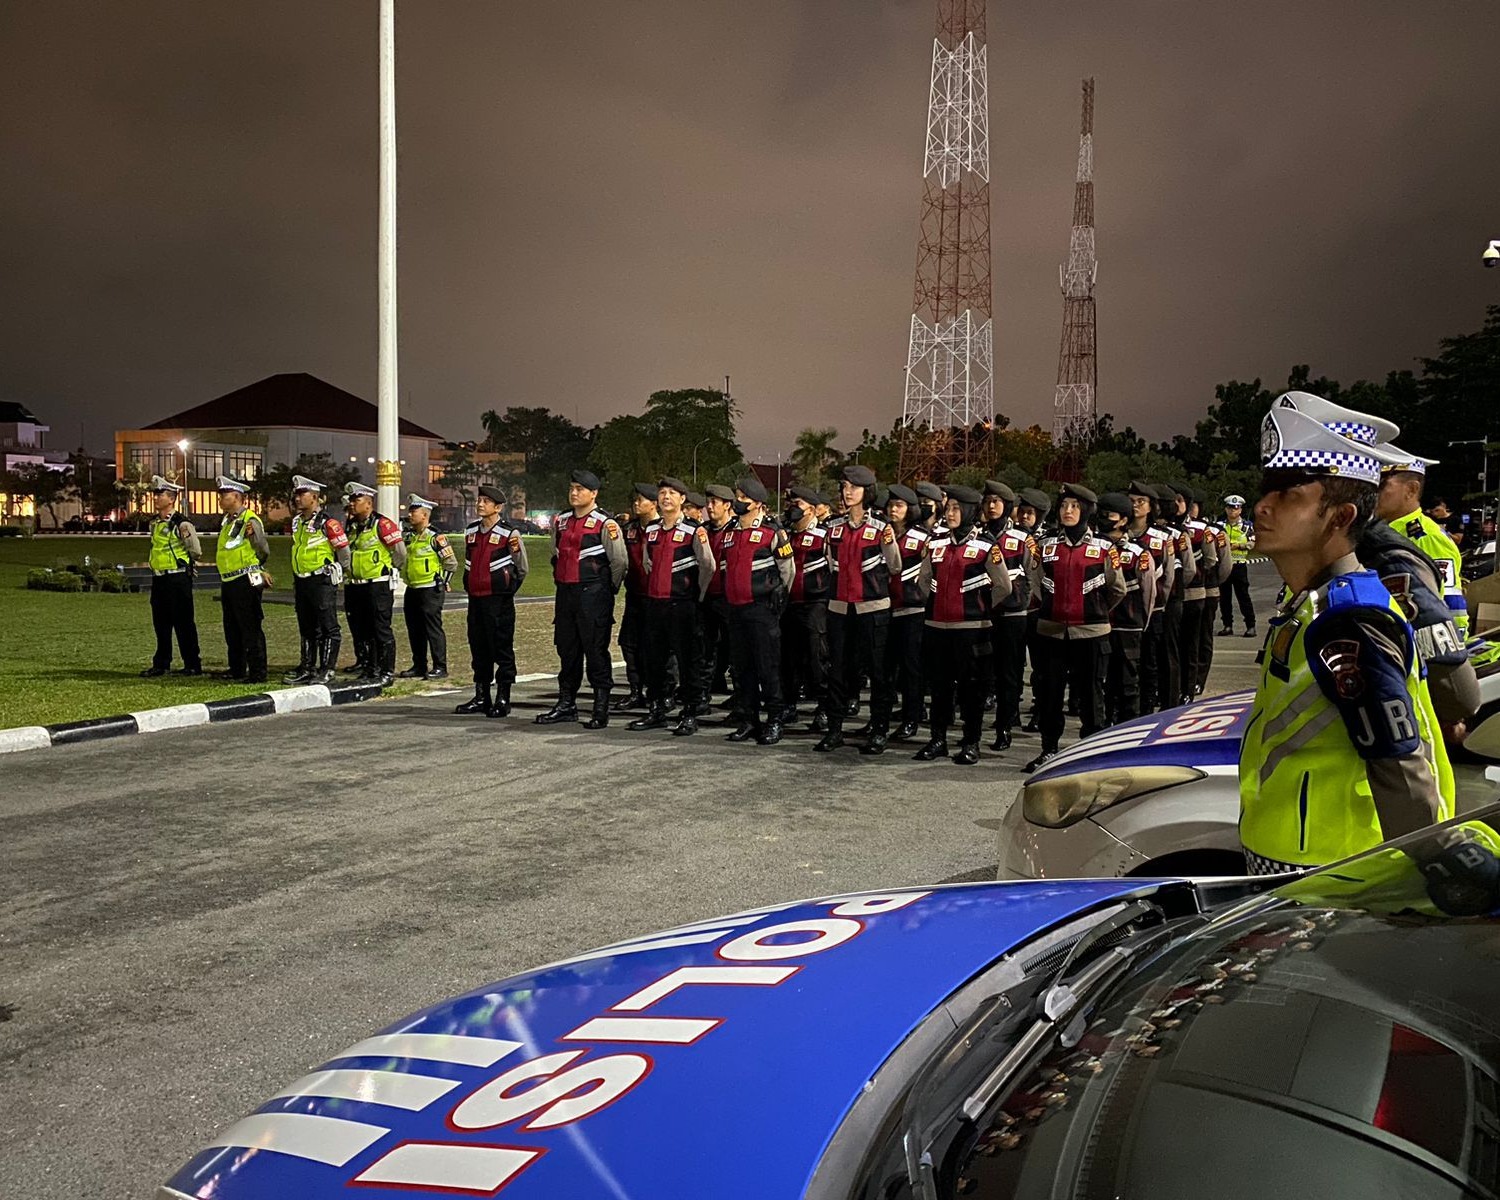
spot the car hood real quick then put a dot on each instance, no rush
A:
(1206, 733)
(714, 1060)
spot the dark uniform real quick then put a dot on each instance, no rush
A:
(633, 622)
(1148, 532)
(1195, 594)
(804, 624)
(241, 555)
(1129, 618)
(495, 566)
(429, 570)
(377, 553)
(1216, 579)
(903, 643)
(174, 547)
(715, 616)
(1008, 620)
(1170, 677)
(320, 556)
(588, 564)
(758, 570)
(1032, 507)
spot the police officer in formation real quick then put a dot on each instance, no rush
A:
(1129, 618)
(495, 566)
(1158, 660)
(320, 557)
(908, 608)
(241, 555)
(1240, 534)
(635, 524)
(175, 547)
(804, 624)
(758, 571)
(718, 507)
(377, 552)
(1008, 620)
(429, 570)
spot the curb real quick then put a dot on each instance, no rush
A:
(185, 716)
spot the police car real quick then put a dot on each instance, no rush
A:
(1159, 795)
(1096, 1037)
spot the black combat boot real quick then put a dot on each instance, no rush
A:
(655, 718)
(363, 660)
(501, 706)
(876, 742)
(771, 734)
(564, 711)
(967, 754)
(303, 671)
(634, 698)
(479, 704)
(600, 718)
(688, 725)
(935, 749)
(328, 655)
(1002, 740)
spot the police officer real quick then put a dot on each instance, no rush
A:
(1194, 595)
(1033, 506)
(1342, 749)
(719, 508)
(377, 554)
(1240, 534)
(174, 548)
(588, 565)
(495, 566)
(1173, 679)
(862, 552)
(964, 576)
(758, 570)
(642, 516)
(694, 507)
(241, 555)
(430, 567)
(1399, 505)
(678, 566)
(320, 556)
(1214, 537)
(1008, 622)
(1081, 582)
(804, 624)
(932, 503)
(1148, 532)
(903, 643)
(1129, 618)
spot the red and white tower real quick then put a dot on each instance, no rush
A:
(949, 406)
(1075, 404)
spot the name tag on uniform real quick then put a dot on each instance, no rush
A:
(938, 551)
(494, 539)
(971, 552)
(591, 523)
(756, 537)
(869, 534)
(912, 542)
(679, 537)
(807, 539)
(472, 538)
(1091, 552)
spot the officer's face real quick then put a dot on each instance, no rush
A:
(1399, 494)
(418, 515)
(1069, 511)
(229, 502)
(953, 515)
(896, 510)
(305, 499)
(994, 508)
(580, 496)
(486, 507)
(669, 499)
(1026, 517)
(642, 507)
(718, 510)
(1288, 520)
(850, 493)
(362, 506)
(1140, 508)
(165, 503)
(1233, 512)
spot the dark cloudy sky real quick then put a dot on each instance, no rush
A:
(605, 197)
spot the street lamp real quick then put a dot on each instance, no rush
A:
(183, 445)
(702, 442)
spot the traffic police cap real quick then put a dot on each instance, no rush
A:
(806, 494)
(158, 484)
(353, 489)
(1234, 500)
(492, 493)
(301, 483)
(666, 481)
(964, 495)
(859, 476)
(225, 484)
(1291, 440)
(416, 501)
(585, 479)
(904, 494)
(646, 491)
(1393, 458)
(1037, 499)
(1115, 502)
(993, 487)
(1346, 422)
(752, 488)
(1077, 491)
(719, 492)
(929, 491)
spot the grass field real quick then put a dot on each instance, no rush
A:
(70, 656)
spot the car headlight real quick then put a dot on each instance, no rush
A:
(1065, 800)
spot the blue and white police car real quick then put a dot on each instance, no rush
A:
(1332, 1034)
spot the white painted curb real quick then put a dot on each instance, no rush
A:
(24, 737)
(296, 699)
(178, 716)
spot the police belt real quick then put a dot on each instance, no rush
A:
(325, 569)
(357, 582)
(173, 571)
(233, 575)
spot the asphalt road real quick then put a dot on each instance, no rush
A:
(193, 919)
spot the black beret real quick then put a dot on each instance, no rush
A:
(585, 479)
(993, 487)
(646, 491)
(859, 476)
(930, 491)
(799, 492)
(905, 494)
(752, 488)
(696, 499)
(964, 495)
(1137, 488)
(719, 492)
(824, 500)
(1179, 489)
(1037, 499)
(1200, 497)
(1078, 492)
(492, 493)
(666, 481)
(1115, 502)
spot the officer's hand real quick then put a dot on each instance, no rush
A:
(1464, 880)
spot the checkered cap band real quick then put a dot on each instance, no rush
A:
(1418, 466)
(1355, 431)
(1326, 462)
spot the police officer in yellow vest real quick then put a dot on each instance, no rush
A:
(1241, 535)
(1342, 749)
(320, 556)
(1402, 478)
(174, 548)
(377, 554)
(241, 555)
(430, 567)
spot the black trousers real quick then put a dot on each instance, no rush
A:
(1153, 649)
(582, 616)
(1237, 587)
(1008, 663)
(632, 635)
(424, 628)
(714, 620)
(672, 632)
(1032, 638)
(172, 612)
(856, 647)
(244, 629)
(1188, 636)
(368, 606)
(905, 666)
(317, 603)
(804, 652)
(1122, 680)
(955, 660)
(1061, 662)
(755, 652)
(1206, 641)
(1169, 677)
(492, 638)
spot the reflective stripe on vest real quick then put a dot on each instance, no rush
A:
(234, 555)
(750, 571)
(310, 549)
(1305, 797)
(960, 584)
(423, 565)
(370, 558)
(1239, 541)
(674, 565)
(581, 556)
(167, 550)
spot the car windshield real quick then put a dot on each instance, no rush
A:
(1338, 1038)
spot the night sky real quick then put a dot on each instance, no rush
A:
(599, 199)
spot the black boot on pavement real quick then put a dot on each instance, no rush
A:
(501, 707)
(600, 717)
(1002, 740)
(1041, 760)
(655, 718)
(934, 750)
(634, 698)
(967, 754)
(687, 726)
(875, 743)
(745, 732)
(564, 711)
(480, 702)
(771, 734)
(302, 672)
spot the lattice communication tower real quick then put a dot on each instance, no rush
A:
(1075, 404)
(947, 418)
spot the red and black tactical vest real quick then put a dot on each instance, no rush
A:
(960, 586)
(1014, 544)
(1136, 562)
(716, 548)
(906, 592)
(814, 578)
(749, 564)
(491, 570)
(674, 566)
(635, 549)
(862, 573)
(1073, 579)
(1163, 547)
(580, 548)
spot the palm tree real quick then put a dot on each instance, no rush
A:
(814, 455)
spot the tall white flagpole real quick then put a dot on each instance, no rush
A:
(388, 454)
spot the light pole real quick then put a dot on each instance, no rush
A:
(183, 445)
(1484, 457)
(388, 468)
(703, 441)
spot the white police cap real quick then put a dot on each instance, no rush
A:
(158, 484)
(354, 488)
(226, 484)
(1347, 422)
(1393, 458)
(301, 483)
(1292, 440)
(416, 501)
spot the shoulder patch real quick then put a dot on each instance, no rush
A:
(612, 529)
(783, 550)
(996, 555)
(886, 536)
(703, 535)
(515, 542)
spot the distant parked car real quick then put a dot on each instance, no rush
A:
(1480, 563)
